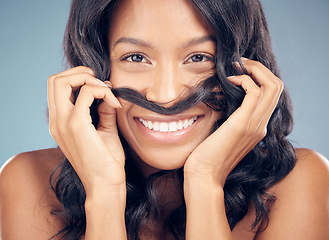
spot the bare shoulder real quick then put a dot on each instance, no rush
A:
(45, 159)
(301, 210)
(26, 201)
(30, 169)
(309, 161)
(311, 173)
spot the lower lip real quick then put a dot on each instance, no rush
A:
(166, 137)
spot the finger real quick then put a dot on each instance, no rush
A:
(79, 115)
(51, 80)
(65, 88)
(262, 76)
(79, 69)
(56, 125)
(271, 86)
(255, 68)
(53, 121)
(87, 96)
(71, 83)
(252, 97)
(107, 119)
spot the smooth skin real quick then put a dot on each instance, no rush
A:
(161, 67)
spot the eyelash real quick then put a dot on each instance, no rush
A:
(204, 56)
(130, 55)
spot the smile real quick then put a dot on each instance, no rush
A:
(168, 126)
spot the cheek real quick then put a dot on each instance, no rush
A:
(122, 119)
(121, 78)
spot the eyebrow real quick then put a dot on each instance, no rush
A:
(198, 40)
(134, 41)
(142, 43)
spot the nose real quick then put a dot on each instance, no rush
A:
(166, 84)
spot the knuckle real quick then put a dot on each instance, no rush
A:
(280, 84)
(245, 77)
(85, 75)
(85, 89)
(51, 80)
(81, 67)
(85, 69)
(52, 77)
(253, 65)
(58, 81)
(258, 64)
(273, 84)
(277, 85)
(257, 92)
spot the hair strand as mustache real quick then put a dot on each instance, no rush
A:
(207, 91)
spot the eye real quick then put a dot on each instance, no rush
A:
(199, 58)
(135, 57)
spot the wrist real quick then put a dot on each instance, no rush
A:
(105, 213)
(202, 187)
(99, 195)
(205, 210)
(201, 178)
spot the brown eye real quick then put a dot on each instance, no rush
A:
(198, 58)
(137, 58)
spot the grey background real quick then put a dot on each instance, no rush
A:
(31, 35)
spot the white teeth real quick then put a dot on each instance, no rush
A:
(172, 126)
(156, 126)
(143, 122)
(168, 126)
(164, 127)
(180, 125)
(185, 123)
(149, 124)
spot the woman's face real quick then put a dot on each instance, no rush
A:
(161, 49)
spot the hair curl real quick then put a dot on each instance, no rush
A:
(240, 29)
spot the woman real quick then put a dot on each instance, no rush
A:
(185, 138)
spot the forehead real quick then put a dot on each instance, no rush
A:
(154, 19)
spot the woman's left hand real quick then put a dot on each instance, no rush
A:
(218, 154)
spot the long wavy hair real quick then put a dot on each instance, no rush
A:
(240, 29)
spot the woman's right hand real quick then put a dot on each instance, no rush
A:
(95, 154)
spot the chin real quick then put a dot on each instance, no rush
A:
(158, 160)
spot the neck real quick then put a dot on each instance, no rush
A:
(163, 189)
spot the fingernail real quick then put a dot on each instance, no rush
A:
(119, 104)
(233, 79)
(101, 83)
(108, 84)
